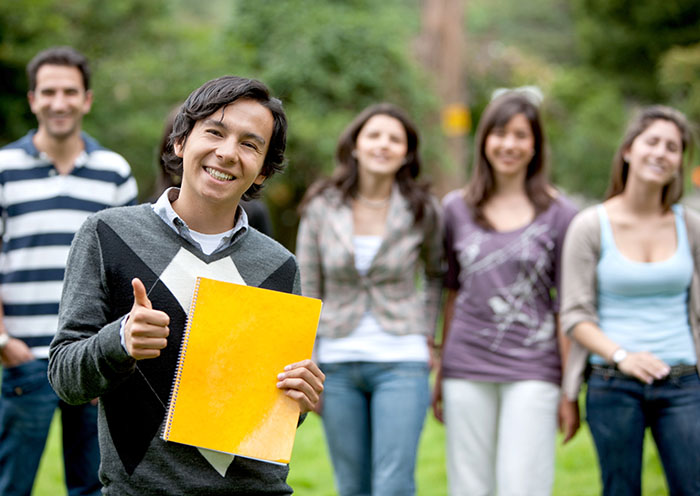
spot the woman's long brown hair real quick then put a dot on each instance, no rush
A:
(482, 184)
(673, 191)
(345, 177)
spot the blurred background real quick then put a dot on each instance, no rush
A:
(594, 60)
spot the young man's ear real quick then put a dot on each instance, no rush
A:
(178, 148)
(260, 179)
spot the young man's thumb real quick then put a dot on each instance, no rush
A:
(140, 295)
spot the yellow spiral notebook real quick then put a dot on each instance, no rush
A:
(225, 396)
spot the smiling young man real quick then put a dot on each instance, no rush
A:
(51, 180)
(130, 279)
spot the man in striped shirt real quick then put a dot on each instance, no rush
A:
(51, 180)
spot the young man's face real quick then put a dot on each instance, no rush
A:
(59, 100)
(224, 153)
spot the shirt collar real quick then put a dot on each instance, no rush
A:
(90, 145)
(164, 209)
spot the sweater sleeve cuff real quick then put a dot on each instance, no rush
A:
(112, 349)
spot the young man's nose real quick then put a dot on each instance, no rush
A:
(227, 150)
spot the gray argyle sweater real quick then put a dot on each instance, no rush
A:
(87, 360)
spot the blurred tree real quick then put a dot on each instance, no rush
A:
(514, 44)
(679, 77)
(592, 80)
(441, 47)
(112, 35)
(327, 60)
(539, 27)
(625, 39)
(584, 117)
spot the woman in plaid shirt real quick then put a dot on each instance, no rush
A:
(370, 246)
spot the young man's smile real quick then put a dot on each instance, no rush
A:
(216, 174)
(224, 155)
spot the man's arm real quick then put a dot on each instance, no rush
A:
(15, 351)
(86, 357)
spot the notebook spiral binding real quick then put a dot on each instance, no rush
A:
(180, 361)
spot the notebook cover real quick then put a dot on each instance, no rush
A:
(224, 396)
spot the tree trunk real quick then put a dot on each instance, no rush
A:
(440, 48)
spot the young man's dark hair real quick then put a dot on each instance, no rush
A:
(63, 55)
(219, 93)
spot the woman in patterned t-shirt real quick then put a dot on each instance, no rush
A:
(498, 383)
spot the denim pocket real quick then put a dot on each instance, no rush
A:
(24, 378)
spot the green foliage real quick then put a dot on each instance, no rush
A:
(679, 77)
(112, 35)
(587, 101)
(326, 61)
(584, 117)
(625, 39)
(539, 27)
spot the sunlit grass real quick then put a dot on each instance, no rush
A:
(311, 473)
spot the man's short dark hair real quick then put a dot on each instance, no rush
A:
(63, 55)
(218, 93)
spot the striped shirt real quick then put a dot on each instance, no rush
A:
(41, 211)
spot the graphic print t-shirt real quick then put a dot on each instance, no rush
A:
(503, 328)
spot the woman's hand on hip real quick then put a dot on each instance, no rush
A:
(644, 366)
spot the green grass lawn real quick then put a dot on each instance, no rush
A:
(311, 473)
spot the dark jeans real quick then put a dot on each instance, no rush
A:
(620, 408)
(27, 406)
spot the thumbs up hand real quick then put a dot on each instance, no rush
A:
(146, 330)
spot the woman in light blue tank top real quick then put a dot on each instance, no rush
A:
(643, 361)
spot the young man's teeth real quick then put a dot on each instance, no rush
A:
(219, 175)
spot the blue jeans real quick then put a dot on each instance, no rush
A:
(373, 414)
(619, 409)
(27, 406)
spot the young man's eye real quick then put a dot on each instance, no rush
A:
(251, 145)
(214, 132)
